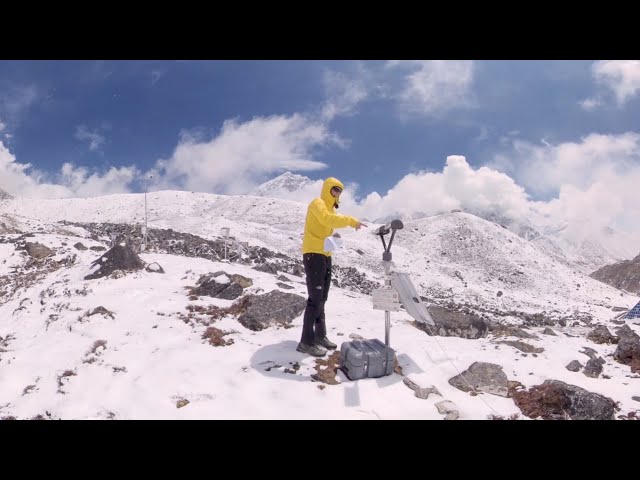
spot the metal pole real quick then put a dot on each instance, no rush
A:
(387, 314)
(145, 216)
(146, 226)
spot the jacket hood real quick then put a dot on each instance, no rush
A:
(326, 196)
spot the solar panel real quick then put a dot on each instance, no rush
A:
(634, 312)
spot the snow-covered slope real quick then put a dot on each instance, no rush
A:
(147, 359)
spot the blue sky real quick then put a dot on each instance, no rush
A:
(548, 132)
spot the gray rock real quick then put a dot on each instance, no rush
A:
(37, 250)
(421, 393)
(574, 366)
(80, 246)
(273, 308)
(267, 267)
(454, 324)
(585, 405)
(549, 331)
(120, 257)
(589, 352)
(449, 408)
(349, 278)
(628, 351)
(524, 347)
(98, 248)
(627, 333)
(601, 334)
(284, 285)
(154, 267)
(593, 368)
(244, 282)
(483, 377)
(102, 311)
(211, 285)
(282, 278)
(637, 399)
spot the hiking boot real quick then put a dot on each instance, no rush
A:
(311, 350)
(324, 342)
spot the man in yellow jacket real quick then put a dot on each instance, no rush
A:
(321, 220)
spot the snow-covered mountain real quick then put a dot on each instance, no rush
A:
(623, 275)
(4, 195)
(284, 184)
(146, 344)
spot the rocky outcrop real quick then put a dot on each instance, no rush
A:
(623, 275)
(120, 257)
(449, 323)
(482, 377)
(556, 400)
(273, 308)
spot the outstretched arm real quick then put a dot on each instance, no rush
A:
(333, 220)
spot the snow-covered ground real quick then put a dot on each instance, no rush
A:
(145, 361)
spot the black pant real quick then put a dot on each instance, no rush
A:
(318, 270)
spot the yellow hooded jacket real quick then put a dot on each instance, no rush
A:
(322, 219)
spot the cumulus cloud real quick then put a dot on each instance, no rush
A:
(21, 180)
(544, 169)
(433, 86)
(343, 93)
(620, 78)
(243, 154)
(458, 185)
(418, 87)
(95, 139)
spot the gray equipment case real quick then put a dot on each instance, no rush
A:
(366, 359)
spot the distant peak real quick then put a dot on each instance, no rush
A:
(287, 182)
(4, 195)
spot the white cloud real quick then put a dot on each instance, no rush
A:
(457, 186)
(21, 180)
(434, 86)
(243, 154)
(418, 87)
(619, 77)
(85, 183)
(343, 94)
(95, 139)
(590, 104)
(591, 184)
(544, 169)
(2, 126)
(156, 75)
